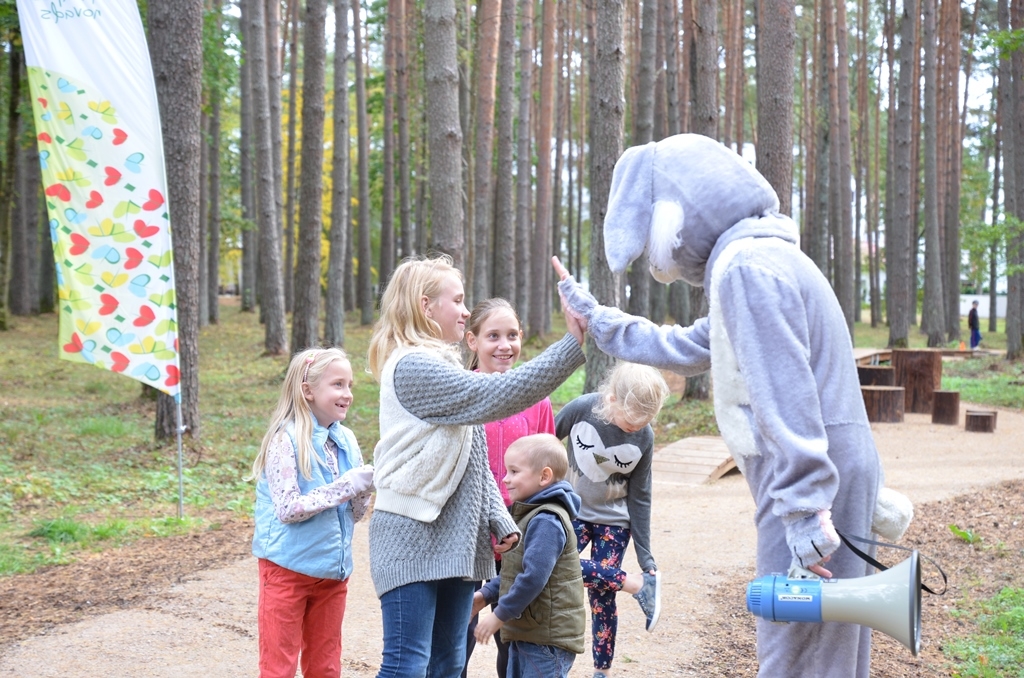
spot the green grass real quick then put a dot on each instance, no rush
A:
(996, 649)
(79, 469)
(76, 442)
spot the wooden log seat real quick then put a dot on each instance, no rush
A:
(884, 404)
(919, 371)
(980, 421)
(876, 375)
(946, 407)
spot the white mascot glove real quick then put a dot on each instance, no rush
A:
(893, 513)
(360, 479)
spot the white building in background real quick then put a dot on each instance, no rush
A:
(983, 304)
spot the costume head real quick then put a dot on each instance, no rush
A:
(674, 198)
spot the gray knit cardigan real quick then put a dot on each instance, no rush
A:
(458, 543)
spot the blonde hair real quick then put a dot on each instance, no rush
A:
(543, 450)
(481, 312)
(307, 367)
(402, 321)
(637, 391)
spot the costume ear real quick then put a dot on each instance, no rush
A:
(666, 236)
(627, 222)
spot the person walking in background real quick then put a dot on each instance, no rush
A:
(312, 487)
(974, 324)
(539, 595)
(437, 505)
(610, 449)
(494, 342)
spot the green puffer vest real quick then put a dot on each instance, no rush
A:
(557, 616)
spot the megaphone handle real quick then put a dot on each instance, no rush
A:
(871, 561)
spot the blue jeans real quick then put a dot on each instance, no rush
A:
(425, 629)
(529, 660)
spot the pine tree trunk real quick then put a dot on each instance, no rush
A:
(364, 281)
(289, 170)
(847, 299)
(275, 64)
(213, 261)
(643, 133)
(900, 227)
(540, 255)
(524, 163)
(607, 76)
(250, 241)
(775, 44)
(204, 211)
(7, 182)
(305, 319)
(272, 288)
(488, 27)
(334, 318)
(503, 259)
(444, 128)
(387, 212)
(933, 320)
(402, 112)
(670, 35)
(176, 50)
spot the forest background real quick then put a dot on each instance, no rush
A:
(316, 144)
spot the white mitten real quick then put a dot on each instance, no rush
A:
(360, 479)
(811, 537)
(893, 513)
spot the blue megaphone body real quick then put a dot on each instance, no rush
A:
(889, 601)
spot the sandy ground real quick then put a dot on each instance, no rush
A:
(702, 535)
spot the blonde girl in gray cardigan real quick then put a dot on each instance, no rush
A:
(437, 505)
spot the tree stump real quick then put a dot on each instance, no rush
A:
(980, 421)
(884, 404)
(919, 371)
(946, 407)
(876, 375)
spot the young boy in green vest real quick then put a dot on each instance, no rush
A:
(539, 594)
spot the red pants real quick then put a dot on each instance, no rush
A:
(296, 613)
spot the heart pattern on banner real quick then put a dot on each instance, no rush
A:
(115, 272)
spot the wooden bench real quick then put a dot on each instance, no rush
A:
(884, 404)
(946, 407)
(980, 421)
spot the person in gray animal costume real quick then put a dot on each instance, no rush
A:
(786, 394)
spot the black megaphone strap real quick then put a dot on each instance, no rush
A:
(881, 568)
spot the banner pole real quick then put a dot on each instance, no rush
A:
(181, 491)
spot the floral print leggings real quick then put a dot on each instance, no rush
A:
(602, 578)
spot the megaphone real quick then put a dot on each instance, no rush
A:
(889, 601)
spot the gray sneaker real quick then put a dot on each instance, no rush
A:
(649, 598)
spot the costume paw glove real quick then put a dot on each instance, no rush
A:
(578, 301)
(893, 513)
(811, 537)
(360, 479)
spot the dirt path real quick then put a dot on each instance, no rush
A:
(702, 536)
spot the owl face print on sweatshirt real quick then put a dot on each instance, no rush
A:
(595, 460)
